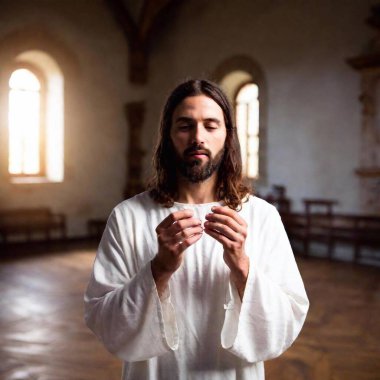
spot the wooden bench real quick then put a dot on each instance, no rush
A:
(314, 225)
(27, 223)
(358, 231)
(95, 228)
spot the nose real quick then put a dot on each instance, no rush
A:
(198, 134)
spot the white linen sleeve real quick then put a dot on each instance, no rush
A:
(274, 305)
(122, 306)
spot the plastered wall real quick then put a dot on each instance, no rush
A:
(312, 94)
(95, 92)
(313, 113)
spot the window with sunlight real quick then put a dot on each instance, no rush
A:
(24, 123)
(35, 119)
(247, 121)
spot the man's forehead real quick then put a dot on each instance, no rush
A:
(198, 104)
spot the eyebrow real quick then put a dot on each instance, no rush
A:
(190, 119)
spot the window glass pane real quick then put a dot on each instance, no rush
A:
(24, 123)
(23, 79)
(253, 125)
(253, 161)
(247, 121)
(248, 93)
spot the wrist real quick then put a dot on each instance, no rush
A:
(239, 276)
(240, 270)
(160, 275)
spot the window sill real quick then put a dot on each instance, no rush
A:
(31, 180)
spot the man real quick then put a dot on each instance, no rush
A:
(196, 278)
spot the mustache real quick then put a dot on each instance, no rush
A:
(196, 148)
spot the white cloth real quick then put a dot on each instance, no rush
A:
(199, 329)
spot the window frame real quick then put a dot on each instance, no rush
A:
(42, 124)
(235, 95)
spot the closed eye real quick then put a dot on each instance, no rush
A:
(184, 123)
(211, 126)
(212, 123)
(184, 127)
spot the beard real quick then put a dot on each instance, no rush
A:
(194, 170)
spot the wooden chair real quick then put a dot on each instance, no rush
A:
(319, 223)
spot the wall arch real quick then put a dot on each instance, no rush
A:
(37, 46)
(232, 74)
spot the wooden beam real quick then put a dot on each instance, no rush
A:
(138, 62)
(138, 33)
(151, 11)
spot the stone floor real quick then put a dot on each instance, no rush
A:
(43, 337)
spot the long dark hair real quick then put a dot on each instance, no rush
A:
(229, 187)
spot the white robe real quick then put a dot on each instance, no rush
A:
(200, 329)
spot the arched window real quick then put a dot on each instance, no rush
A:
(246, 89)
(24, 123)
(35, 119)
(243, 80)
(247, 121)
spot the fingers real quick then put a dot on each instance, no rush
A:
(226, 222)
(227, 212)
(178, 231)
(172, 218)
(189, 241)
(175, 233)
(226, 241)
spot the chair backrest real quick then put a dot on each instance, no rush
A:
(319, 212)
(319, 206)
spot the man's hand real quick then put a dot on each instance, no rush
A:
(175, 233)
(228, 228)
